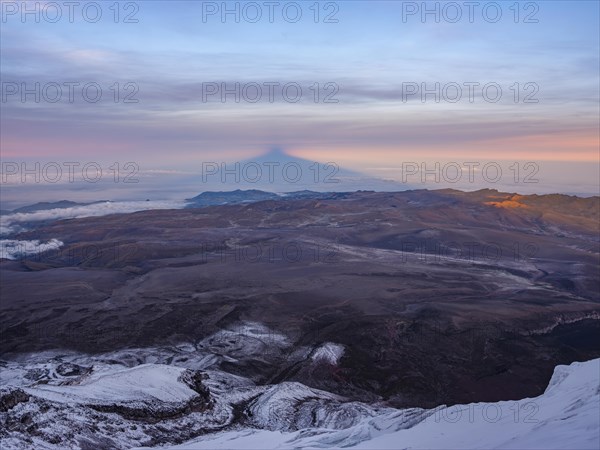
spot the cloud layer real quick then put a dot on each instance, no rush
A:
(14, 249)
(12, 223)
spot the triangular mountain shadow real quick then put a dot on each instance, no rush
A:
(278, 171)
(280, 167)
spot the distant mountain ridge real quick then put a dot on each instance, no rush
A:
(215, 198)
(44, 206)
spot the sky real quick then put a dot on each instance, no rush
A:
(162, 68)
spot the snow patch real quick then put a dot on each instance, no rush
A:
(328, 352)
(141, 383)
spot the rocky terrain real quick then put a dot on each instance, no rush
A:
(393, 300)
(121, 400)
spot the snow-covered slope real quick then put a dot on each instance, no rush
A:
(566, 416)
(179, 397)
(148, 381)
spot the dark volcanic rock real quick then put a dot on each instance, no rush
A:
(194, 378)
(10, 397)
(68, 369)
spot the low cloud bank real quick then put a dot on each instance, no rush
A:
(14, 249)
(13, 223)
